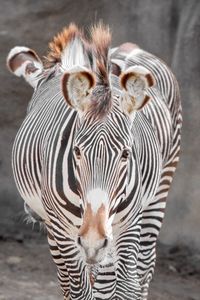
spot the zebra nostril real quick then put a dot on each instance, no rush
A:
(79, 241)
(105, 244)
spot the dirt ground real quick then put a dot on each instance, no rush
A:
(27, 272)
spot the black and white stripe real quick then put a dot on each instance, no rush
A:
(50, 181)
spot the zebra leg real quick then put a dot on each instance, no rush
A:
(105, 283)
(61, 268)
(152, 219)
(147, 253)
(127, 247)
(79, 280)
(73, 272)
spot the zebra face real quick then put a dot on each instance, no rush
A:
(103, 157)
(103, 150)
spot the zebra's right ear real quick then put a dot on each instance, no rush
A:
(77, 86)
(23, 61)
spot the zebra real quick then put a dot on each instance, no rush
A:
(95, 157)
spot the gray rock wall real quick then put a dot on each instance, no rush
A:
(168, 28)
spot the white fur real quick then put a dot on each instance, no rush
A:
(96, 198)
(16, 50)
(32, 78)
(35, 203)
(138, 69)
(112, 50)
(22, 69)
(74, 55)
(134, 52)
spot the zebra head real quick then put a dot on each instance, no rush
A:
(104, 153)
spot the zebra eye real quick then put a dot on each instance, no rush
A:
(77, 152)
(125, 154)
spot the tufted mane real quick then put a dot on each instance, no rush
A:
(101, 39)
(71, 47)
(59, 43)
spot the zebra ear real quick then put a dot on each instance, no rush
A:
(134, 82)
(23, 61)
(77, 86)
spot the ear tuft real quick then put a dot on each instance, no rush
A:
(77, 88)
(23, 61)
(135, 81)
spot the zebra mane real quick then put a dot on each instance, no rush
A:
(101, 39)
(59, 44)
(71, 49)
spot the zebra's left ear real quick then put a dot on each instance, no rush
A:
(23, 61)
(77, 86)
(134, 82)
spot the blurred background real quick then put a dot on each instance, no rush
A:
(167, 28)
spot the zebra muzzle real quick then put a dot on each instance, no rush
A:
(92, 239)
(94, 249)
